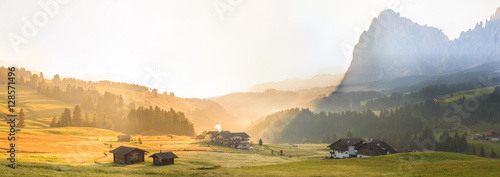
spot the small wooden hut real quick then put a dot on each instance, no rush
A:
(165, 158)
(124, 154)
(124, 138)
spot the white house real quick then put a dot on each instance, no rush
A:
(235, 140)
(345, 148)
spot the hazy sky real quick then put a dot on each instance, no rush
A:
(204, 48)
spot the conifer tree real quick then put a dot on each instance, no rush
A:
(481, 153)
(77, 117)
(349, 134)
(21, 124)
(493, 154)
(66, 118)
(86, 120)
(95, 120)
(53, 123)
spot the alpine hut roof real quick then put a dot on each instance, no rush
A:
(124, 136)
(165, 155)
(122, 150)
(380, 147)
(348, 141)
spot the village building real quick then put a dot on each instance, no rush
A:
(306, 141)
(212, 134)
(356, 147)
(438, 100)
(124, 138)
(374, 148)
(235, 140)
(493, 135)
(163, 158)
(124, 154)
(345, 148)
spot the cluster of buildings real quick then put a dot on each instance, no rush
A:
(492, 135)
(126, 155)
(356, 147)
(235, 140)
(340, 149)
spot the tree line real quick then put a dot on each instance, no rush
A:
(159, 120)
(138, 120)
(78, 119)
(429, 92)
(107, 109)
(401, 127)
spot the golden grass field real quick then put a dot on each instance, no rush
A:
(82, 146)
(84, 151)
(81, 151)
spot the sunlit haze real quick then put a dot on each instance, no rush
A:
(190, 48)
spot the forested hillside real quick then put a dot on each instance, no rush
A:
(398, 126)
(108, 102)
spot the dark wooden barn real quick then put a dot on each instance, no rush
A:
(124, 138)
(124, 154)
(374, 149)
(200, 137)
(165, 158)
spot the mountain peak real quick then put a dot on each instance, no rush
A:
(389, 12)
(496, 16)
(395, 46)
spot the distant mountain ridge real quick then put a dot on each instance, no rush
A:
(296, 84)
(395, 47)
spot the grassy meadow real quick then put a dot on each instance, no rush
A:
(80, 151)
(84, 151)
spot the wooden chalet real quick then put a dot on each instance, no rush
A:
(212, 134)
(124, 138)
(163, 158)
(374, 149)
(236, 140)
(493, 135)
(345, 148)
(306, 141)
(124, 154)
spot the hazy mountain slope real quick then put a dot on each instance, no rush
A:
(41, 107)
(395, 47)
(322, 80)
(208, 113)
(274, 96)
(476, 46)
(203, 113)
(250, 106)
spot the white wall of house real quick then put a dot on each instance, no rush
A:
(340, 154)
(352, 150)
(360, 155)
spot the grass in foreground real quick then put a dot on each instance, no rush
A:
(405, 164)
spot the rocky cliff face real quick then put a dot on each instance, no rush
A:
(394, 47)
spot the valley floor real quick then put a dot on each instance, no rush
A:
(408, 164)
(78, 151)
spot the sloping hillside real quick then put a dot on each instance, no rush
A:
(41, 100)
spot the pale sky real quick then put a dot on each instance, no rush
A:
(187, 47)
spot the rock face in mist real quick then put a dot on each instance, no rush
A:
(394, 47)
